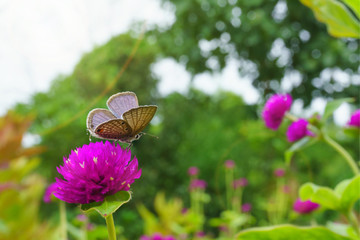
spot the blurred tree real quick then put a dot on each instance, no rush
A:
(71, 96)
(272, 40)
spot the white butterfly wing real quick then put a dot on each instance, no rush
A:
(97, 117)
(122, 102)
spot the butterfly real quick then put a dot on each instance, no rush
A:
(125, 120)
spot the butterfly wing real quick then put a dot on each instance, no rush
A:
(122, 102)
(98, 116)
(138, 118)
(115, 129)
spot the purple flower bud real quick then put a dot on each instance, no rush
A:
(49, 192)
(304, 207)
(286, 189)
(229, 164)
(197, 184)
(275, 109)
(297, 130)
(241, 182)
(200, 234)
(95, 171)
(246, 207)
(156, 236)
(144, 237)
(81, 217)
(355, 119)
(192, 171)
(279, 172)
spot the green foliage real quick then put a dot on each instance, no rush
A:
(335, 14)
(109, 205)
(289, 232)
(341, 199)
(333, 105)
(246, 31)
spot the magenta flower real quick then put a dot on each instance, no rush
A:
(246, 207)
(304, 207)
(275, 109)
(192, 171)
(95, 171)
(241, 182)
(157, 236)
(279, 172)
(355, 119)
(197, 184)
(229, 164)
(297, 130)
(49, 192)
(200, 234)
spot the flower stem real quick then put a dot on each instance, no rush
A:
(343, 153)
(111, 227)
(63, 223)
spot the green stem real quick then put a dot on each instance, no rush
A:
(354, 222)
(111, 227)
(343, 153)
(63, 224)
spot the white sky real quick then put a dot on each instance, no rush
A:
(41, 39)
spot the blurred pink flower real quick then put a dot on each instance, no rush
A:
(229, 164)
(241, 182)
(246, 207)
(355, 119)
(275, 109)
(200, 234)
(279, 172)
(197, 184)
(297, 130)
(286, 189)
(49, 192)
(304, 207)
(192, 171)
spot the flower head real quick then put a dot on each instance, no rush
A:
(279, 172)
(229, 164)
(241, 182)
(49, 192)
(95, 171)
(297, 130)
(275, 109)
(355, 119)
(304, 207)
(192, 171)
(197, 184)
(157, 236)
(246, 207)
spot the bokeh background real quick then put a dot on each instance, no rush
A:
(208, 65)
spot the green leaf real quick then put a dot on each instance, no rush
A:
(338, 19)
(292, 232)
(333, 105)
(350, 193)
(301, 144)
(324, 196)
(109, 205)
(354, 6)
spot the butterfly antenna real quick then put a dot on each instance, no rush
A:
(144, 133)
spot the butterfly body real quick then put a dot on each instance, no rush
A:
(123, 122)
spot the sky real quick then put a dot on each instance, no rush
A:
(41, 39)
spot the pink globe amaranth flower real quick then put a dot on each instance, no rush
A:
(229, 164)
(197, 184)
(241, 182)
(200, 234)
(169, 238)
(246, 207)
(49, 192)
(297, 130)
(192, 171)
(304, 207)
(95, 171)
(275, 109)
(286, 189)
(279, 172)
(156, 236)
(144, 237)
(355, 119)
